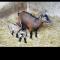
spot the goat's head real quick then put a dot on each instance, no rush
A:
(44, 17)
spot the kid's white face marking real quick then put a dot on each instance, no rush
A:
(44, 18)
(20, 34)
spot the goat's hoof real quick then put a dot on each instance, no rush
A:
(30, 38)
(25, 42)
(19, 40)
(36, 36)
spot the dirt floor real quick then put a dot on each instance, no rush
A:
(47, 36)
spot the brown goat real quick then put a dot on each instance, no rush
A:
(30, 22)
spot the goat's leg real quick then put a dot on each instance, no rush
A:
(31, 34)
(12, 32)
(20, 39)
(17, 35)
(36, 33)
(25, 40)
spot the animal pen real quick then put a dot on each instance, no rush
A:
(48, 34)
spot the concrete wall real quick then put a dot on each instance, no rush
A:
(12, 8)
(53, 8)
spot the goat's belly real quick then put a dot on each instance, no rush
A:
(36, 25)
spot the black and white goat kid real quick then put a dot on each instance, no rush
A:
(17, 31)
(22, 34)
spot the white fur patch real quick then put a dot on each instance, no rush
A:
(22, 32)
